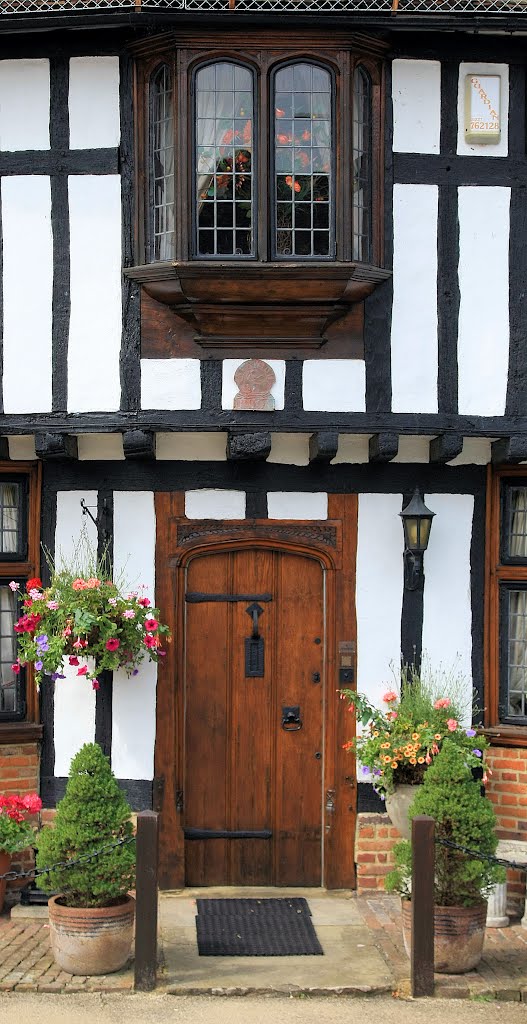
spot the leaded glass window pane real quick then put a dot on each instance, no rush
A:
(9, 682)
(362, 190)
(303, 162)
(516, 524)
(162, 169)
(224, 161)
(517, 654)
(9, 518)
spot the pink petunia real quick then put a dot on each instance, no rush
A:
(129, 614)
(73, 660)
(451, 725)
(144, 602)
(150, 641)
(151, 625)
(95, 684)
(83, 671)
(15, 668)
(112, 644)
(52, 605)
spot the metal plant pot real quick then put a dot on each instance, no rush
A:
(91, 940)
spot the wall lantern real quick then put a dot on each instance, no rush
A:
(417, 521)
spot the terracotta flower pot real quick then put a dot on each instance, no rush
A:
(459, 934)
(91, 940)
(5, 864)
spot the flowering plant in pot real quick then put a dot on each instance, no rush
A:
(91, 921)
(16, 831)
(85, 615)
(462, 881)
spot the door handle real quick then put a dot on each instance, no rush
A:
(291, 720)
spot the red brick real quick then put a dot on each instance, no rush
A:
(365, 831)
(365, 858)
(368, 883)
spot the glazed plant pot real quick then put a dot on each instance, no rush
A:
(91, 940)
(459, 934)
(397, 805)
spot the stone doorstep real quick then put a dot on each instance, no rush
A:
(32, 911)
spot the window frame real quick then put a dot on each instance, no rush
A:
(264, 52)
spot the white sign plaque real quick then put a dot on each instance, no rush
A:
(482, 109)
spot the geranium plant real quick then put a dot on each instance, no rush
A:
(16, 832)
(396, 745)
(80, 617)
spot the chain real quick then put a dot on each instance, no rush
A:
(10, 876)
(482, 856)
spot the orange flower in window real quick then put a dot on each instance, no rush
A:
(306, 135)
(289, 180)
(279, 113)
(247, 132)
(283, 139)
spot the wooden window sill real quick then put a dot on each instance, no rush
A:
(20, 732)
(506, 735)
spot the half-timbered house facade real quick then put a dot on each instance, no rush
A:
(262, 274)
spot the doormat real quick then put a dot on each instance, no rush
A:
(253, 927)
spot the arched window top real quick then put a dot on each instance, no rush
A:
(362, 165)
(223, 160)
(162, 164)
(303, 162)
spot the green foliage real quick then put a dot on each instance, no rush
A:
(450, 795)
(93, 813)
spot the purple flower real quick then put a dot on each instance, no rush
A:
(135, 672)
(470, 732)
(54, 676)
(39, 665)
(365, 770)
(42, 642)
(477, 752)
(377, 771)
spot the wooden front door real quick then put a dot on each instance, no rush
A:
(254, 676)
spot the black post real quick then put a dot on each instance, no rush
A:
(146, 906)
(423, 869)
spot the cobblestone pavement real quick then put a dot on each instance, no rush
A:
(501, 973)
(26, 963)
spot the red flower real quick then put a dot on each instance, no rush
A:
(32, 803)
(150, 641)
(73, 660)
(151, 625)
(28, 603)
(112, 644)
(15, 668)
(144, 602)
(82, 671)
(96, 684)
(34, 583)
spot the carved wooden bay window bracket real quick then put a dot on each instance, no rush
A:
(235, 304)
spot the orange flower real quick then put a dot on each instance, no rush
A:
(279, 113)
(78, 584)
(283, 139)
(306, 135)
(420, 760)
(297, 186)
(247, 132)
(394, 764)
(289, 181)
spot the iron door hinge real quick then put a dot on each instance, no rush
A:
(158, 792)
(179, 801)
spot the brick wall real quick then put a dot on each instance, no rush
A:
(375, 839)
(20, 773)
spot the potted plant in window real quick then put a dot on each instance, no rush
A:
(91, 921)
(463, 881)
(397, 745)
(16, 831)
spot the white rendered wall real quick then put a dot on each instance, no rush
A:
(94, 102)
(229, 388)
(26, 230)
(379, 593)
(334, 385)
(212, 503)
(477, 149)
(95, 290)
(170, 383)
(414, 315)
(447, 613)
(204, 446)
(297, 505)
(289, 449)
(416, 95)
(483, 338)
(134, 697)
(24, 104)
(74, 704)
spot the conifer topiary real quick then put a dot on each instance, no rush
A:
(463, 816)
(93, 813)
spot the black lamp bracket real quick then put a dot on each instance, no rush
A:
(414, 577)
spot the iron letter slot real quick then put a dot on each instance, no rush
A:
(223, 833)
(194, 597)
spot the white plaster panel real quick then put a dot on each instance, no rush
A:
(102, 447)
(476, 452)
(212, 503)
(134, 697)
(197, 447)
(22, 447)
(95, 289)
(229, 388)
(24, 105)
(413, 449)
(94, 102)
(290, 449)
(26, 222)
(483, 337)
(477, 149)
(379, 593)
(447, 613)
(297, 505)
(334, 385)
(414, 314)
(170, 384)
(416, 95)
(352, 448)
(74, 703)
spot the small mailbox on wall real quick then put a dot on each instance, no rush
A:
(482, 109)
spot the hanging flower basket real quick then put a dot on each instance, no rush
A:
(88, 623)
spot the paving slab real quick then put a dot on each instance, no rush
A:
(351, 965)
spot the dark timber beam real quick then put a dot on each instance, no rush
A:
(383, 447)
(323, 446)
(445, 447)
(242, 447)
(4, 448)
(510, 450)
(139, 444)
(56, 446)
